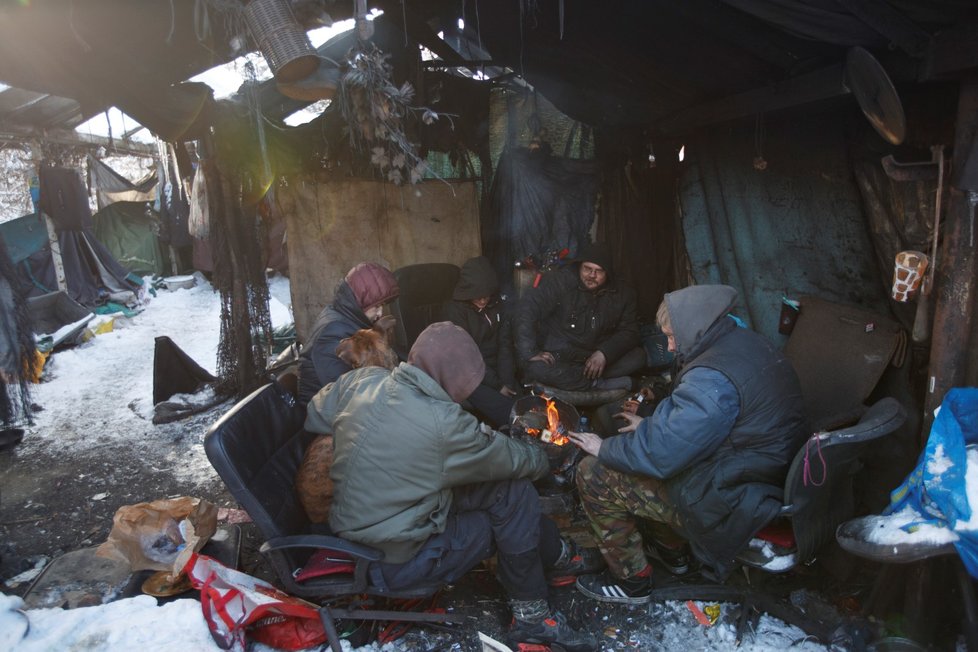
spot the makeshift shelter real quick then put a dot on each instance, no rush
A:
(818, 139)
(92, 274)
(129, 230)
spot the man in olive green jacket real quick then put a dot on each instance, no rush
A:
(418, 477)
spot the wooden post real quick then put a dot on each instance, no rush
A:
(59, 266)
(955, 276)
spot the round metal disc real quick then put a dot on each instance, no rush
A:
(874, 92)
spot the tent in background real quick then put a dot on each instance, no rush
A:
(92, 273)
(129, 229)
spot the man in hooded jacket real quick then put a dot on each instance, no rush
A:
(357, 303)
(417, 477)
(710, 462)
(578, 329)
(477, 308)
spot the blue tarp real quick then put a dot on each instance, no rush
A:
(24, 236)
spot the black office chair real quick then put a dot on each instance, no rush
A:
(424, 290)
(257, 448)
(815, 503)
(818, 490)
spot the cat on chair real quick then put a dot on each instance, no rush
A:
(368, 347)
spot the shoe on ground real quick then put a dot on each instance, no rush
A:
(578, 561)
(605, 587)
(677, 561)
(552, 630)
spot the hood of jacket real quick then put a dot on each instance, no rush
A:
(476, 280)
(694, 310)
(451, 357)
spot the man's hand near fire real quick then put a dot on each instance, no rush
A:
(632, 419)
(544, 356)
(586, 441)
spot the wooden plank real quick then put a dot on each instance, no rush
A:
(334, 225)
(818, 85)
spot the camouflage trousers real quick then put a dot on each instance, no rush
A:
(619, 506)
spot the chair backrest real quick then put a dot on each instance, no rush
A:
(818, 491)
(257, 448)
(840, 352)
(424, 289)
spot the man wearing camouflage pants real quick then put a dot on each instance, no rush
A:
(708, 466)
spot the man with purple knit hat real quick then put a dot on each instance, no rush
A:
(358, 303)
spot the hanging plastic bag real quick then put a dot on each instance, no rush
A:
(198, 223)
(237, 605)
(937, 487)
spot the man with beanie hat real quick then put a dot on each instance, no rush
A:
(578, 329)
(357, 303)
(708, 466)
(417, 477)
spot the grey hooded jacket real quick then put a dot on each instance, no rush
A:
(724, 438)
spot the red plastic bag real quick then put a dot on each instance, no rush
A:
(237, 605)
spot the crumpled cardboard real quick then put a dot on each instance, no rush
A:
(160, 535)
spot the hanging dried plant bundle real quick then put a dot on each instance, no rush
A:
(376, 110)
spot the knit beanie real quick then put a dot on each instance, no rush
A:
(372, 285)
(451, 357)
(598, 253)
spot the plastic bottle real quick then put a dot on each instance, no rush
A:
(584, 425)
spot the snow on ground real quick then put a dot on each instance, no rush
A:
(102, 390)
(98, 396)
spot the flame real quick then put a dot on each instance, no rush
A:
(553, 421)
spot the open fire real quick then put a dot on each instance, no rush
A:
(554, 433)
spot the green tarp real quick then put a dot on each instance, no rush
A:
(128, 230)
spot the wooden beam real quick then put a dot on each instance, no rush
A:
(952, 53)
(957, 265)
(818, 85)
(882, 18)
(14, 134)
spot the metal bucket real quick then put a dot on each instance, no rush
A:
(281, 39)
(531, 412)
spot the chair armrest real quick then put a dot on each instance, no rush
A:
(357, 550)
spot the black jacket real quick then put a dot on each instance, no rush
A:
(489, 327)
(563, 317)
(491, 330)
(318, 363)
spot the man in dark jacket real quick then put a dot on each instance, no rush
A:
(418, 477)
(358, 303)
(578, 331)
(711, 460)
(476, 308)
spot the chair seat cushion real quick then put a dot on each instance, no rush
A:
(325, 562)
(772, 548)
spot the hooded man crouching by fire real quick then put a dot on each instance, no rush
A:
(417, 477)
(708, 466)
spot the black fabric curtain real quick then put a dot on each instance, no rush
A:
(539, 203)
(90, 269)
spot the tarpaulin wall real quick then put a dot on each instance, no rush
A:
(796, 227)
(91, 271)
(129, 230)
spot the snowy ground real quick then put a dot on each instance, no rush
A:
(93, 448)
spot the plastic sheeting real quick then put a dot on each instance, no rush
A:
(794, 228)
(91, 271)
(539, 203)
(128, 230)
